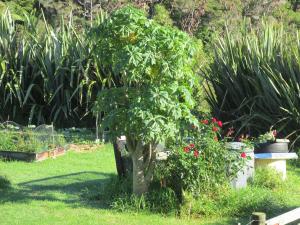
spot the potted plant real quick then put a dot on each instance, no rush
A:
(242, 143)
(243, 148)
(268, 143)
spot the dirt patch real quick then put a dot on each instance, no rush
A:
(84, 147)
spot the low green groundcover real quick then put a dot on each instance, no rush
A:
(29, 141)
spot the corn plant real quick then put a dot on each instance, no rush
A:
(254, 81)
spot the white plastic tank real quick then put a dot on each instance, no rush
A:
(247, 172)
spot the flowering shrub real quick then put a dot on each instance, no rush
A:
(201, 162)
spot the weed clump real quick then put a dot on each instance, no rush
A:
(4, 183)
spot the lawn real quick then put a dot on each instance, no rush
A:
(55, 192)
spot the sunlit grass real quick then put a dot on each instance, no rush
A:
(54, 192)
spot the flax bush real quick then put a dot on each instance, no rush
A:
(47, 74)
(254, 81)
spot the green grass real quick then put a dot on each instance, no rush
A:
(55, 192)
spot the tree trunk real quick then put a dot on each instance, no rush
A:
(143, 162)
(140, 183)
(118, 158)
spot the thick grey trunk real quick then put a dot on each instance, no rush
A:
(143, 161)
(140, 184)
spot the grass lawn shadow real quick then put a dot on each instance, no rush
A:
(68, 188)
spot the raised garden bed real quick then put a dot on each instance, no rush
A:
(30, 143)
(32, 156)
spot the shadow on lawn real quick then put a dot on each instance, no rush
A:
(69, 188)
(79, 190)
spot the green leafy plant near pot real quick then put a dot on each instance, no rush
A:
(268, 143)
(243, 144)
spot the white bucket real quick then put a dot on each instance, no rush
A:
(247, 171)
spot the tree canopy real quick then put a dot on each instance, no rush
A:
(155, 68)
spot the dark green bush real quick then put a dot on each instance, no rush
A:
(79, 135)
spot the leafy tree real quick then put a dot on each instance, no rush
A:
(154, 72)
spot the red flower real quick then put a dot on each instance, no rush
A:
(220, 124)
(196, 153)
(243, 155)
(215, 129)
(186, 149)
(214, 120)
(204, 122)
(192, 145)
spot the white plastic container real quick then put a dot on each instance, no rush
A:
(247, 171)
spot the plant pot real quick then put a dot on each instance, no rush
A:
(238, 146)
(247, 171)
(272, 147)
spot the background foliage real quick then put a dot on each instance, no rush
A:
(51, 73)
(255, 81)
(47, 76)
(202, 18)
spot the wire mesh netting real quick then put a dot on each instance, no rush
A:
(79, 135)
(14, 137)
